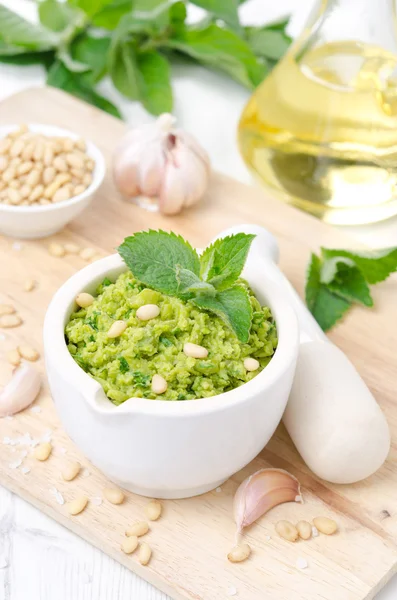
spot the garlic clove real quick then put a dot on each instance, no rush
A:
(262, 491)
(20, 391)
(151, 170)
(172, 194)
(125, 174)
(195, 147)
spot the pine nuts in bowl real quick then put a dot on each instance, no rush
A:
(48, 176)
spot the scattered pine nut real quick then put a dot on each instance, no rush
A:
(114, 495)
(195, 351)
(130, 544)
(76, 506)
(138, 529)
(251, 364)
(71, 470)
(286, 530)
(28, 353)
(72, 248)
(304, 529)
(42, 451)
(56, 249)
(239, 553)
(153, 510)
(159, 384)
(325, 525)
(144, 554)
(6, 309)
(116, 329)
(7, 321)
(147, 312)
(84, 300)
(87, 254)
(14, 357)
(29, 285)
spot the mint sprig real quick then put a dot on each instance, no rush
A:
(168, 263)
(339, 278)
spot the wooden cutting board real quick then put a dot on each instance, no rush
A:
(191, 540)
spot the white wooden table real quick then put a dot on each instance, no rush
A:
(39, 559)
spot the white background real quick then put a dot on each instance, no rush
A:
(40, 560)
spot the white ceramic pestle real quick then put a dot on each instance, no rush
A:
(331, 415)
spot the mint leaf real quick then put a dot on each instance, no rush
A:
(16, 31)
(227, 11)
(222, 262)
(155, 257)
(91, 51)
(342, 277)
(326, 307)
(60, 77)
(123, 68)
(57, 15)
(90, 7)
(75, 66)
(110, 15)
(375, 265)
(154, 84)
(269, 43)
(190, 283)
(233, 306)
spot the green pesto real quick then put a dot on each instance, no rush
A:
(124, 366)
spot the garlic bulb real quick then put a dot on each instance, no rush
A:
(20, 391)
(162, 163)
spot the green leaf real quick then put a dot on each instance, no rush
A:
(57, 16)
(221, 49)
(155, 89)
(75, 66)
(153, 256)
(16, 31)
(345, 279)
(375, 265)
(109, 16)
(190, 284)
(123, 69)
(59, 77)
(22, 58)
(221, 9)
(269, 43)
(222, 262)
(326, 307)
(91, 7)
(233, 306)
(177, 15)
(124, 366)
(92, 51)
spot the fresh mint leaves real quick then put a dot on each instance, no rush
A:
(339, 278)
(134, 41)
(168, 264)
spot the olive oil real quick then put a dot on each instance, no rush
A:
(321, 130)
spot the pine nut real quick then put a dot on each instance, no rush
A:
(75, 161)
(138, 529)
(33, 178)
(56, 250)
(71, 470)
(147, 312)
(116, 329)
(78, 173)
(72, 248)
(5, 145)
(60, 164)
(251, 364)
(153, 510)
(3, 163)
(239, 553)
(48, 157)
(79, 189)
(42, 451)
(325, 525)
(25, 167)
(48, 175)
(304, 529)
(76, 506)
(9, 174)
(25, 191)
(87, 179)
(114, 495)
(6, 309)
(36, 192)
(44, 201)
(29, 285)
(67, 144)
(84, 300)
(14, 357)
(28, 353)
(59, 180)
(61, 195)
(87, 253)
(16, 148)
(159, 384)
(27, 152)
(80, 144)
(194, 350)
(90, 165)
(38, 151)
(9, 321)
(286, 530)
(14, 196)
(130, 544)
(144, 553)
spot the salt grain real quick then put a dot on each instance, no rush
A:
(3, 337)
(57, 495)
(85, 473)
(8, 417)
(25, 470)
(24, 454)
(267, 538)
(47, 436)
(232, 591)
(62, 450)
(218, 489)
(17, 246)
(7, 441)
(15, 464)
(36, 409)
(301, 563)
(314, 531)
(97, 500)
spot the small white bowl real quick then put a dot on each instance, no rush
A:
(169, 449)
(29, 222)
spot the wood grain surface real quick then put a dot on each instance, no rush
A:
(191, 540)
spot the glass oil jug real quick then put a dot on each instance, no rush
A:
(321, 130)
